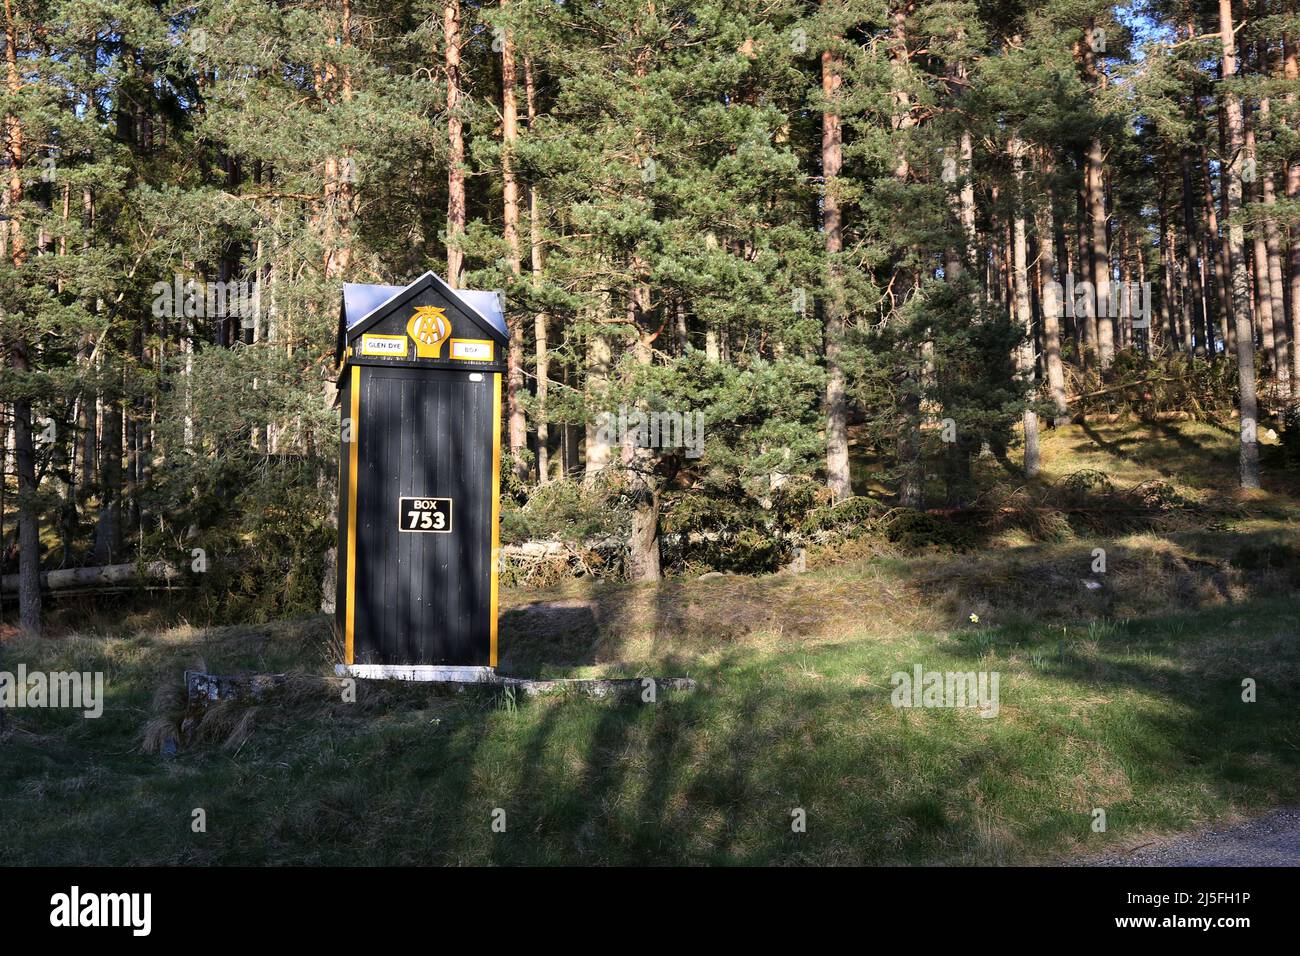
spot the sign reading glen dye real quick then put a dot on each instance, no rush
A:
(420, 383)
(394, 346)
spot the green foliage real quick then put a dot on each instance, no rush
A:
(856, 515)
(1291, 439)
(568, 511)
(266, 558)
(746, 550)
(1141, 385)
(917, 530)
(672, 188)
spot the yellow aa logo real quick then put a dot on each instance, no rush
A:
(429, 327)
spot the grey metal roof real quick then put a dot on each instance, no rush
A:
(359, 301)
(486, 304)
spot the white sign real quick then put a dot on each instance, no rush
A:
(391, 345)
(471, 350)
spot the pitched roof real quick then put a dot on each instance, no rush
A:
(360, 301)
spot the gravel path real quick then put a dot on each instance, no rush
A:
(1270, 840)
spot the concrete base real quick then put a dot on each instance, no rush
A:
(419, 672)
(619, 688)
(204, 689)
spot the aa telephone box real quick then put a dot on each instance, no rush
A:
(419, 477)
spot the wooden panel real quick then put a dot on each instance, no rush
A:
(424, 598)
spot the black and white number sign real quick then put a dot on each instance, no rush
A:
(424, 514)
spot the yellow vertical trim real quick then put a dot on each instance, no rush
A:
(353, 450)
(496, 507)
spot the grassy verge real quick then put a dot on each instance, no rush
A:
(1143, 719)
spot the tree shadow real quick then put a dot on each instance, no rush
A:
(719, 776)
(1115, 448)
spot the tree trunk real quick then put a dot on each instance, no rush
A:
(1024, 314)
(642, 472)
(1216, 262)
(541, 320)
(1199, 318)
(108, 527)
(1276, 287)
(1291, 70)
(340, 173)
(1263, 306)
(1051, 302)
(1249, 415)
(571, 434)
(29, 529)
(1096, 250)
(13, 144)
(456, 145)
(1086, 323)
(837, 436)
(1100, 250)
(911, 485)
(1120, 307)
(517, 426)
(599, 358)
(1156, 324)
(105, 576)
(643, 546)
(1176, 314)
(967, 194)
(1281, 357)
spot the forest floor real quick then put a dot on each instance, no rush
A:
(1119, 691)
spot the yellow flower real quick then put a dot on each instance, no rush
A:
(974, 618)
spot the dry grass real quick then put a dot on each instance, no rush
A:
(620, 626)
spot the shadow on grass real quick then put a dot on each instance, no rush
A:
(715, 777)
(1143, 718)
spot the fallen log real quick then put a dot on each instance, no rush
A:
(101, 576)
(1120, 387)
(1081, 418)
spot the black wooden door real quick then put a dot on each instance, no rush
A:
(424, 515)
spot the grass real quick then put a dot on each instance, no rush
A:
(1141, 718)
(1125, 697)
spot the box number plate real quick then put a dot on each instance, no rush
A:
(424, 514)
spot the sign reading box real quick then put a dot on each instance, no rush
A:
(424, 514)
(472, 350)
